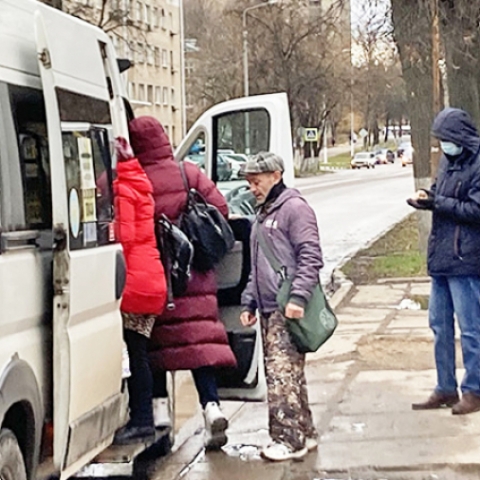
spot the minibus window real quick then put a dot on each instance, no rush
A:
(88, 168)
(28, 112)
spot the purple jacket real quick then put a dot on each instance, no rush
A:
(290, 228)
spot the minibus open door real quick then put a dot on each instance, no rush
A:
(219, 141)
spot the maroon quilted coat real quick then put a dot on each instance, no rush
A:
(190, 336)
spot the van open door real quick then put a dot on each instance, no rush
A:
(219, 143)
(88, 267)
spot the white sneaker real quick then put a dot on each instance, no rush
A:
(311, 444)
(215, 425)
(161, 417)
(278, 452)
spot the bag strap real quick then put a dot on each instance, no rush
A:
(268, 252)
(164, 223)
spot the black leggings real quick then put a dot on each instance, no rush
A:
(140, 382)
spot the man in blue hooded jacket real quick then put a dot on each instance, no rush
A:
(454, 260)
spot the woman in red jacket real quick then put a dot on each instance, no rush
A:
(145, 291)
(190, 337)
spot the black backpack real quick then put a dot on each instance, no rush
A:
(176, 253)
(206, 228)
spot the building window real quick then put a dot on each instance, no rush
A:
(163, 19)
(146, 13)
(158, 95)
(140, 53)
(167, 130)
(172, 138)
(141, 92)
(156, 20)
(170, 22)
(150, 56)
(164, 58)
(131, 90)
(150, 94)
(172, 63)
(172, 96)
(138, 12)
(165, 96)
(157, 57)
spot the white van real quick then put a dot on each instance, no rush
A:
(61, 270)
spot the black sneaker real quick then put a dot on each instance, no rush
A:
(129, 434)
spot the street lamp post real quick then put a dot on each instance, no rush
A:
(245, 42)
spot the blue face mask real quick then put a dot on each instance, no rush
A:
(451, 149)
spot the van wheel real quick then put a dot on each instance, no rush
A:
(12, 465)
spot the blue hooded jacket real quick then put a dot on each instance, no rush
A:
(454, 244)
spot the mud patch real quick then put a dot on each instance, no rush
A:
(398, 353)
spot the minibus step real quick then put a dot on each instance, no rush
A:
(127, 461)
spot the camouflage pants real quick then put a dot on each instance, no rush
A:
(290, 418)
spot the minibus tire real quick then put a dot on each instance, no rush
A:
(12, 464)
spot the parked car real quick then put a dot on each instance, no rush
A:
(384, 156)
(402, 147)
(238, 161)
(407, 156)
(363, 159)
(224, 165)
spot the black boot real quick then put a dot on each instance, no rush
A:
(130, 434)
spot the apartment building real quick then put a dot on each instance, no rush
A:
(149, 33)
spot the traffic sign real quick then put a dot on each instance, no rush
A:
(363, 133)
(311, 134)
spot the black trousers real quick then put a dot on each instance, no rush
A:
(140, 383)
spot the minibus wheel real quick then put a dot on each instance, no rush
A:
(12, 464)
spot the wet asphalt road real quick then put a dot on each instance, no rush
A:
(354, 207)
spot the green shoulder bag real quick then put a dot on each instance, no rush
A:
(319, 322)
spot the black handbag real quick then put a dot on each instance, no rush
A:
(206, 228)
(176, 253)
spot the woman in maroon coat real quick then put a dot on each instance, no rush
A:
(145, 289)
(190, 337)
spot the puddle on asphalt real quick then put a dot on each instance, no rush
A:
(243, 451)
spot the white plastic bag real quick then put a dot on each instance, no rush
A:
(125, 363)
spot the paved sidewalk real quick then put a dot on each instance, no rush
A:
(361, 383)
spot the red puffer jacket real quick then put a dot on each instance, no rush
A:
(191, 336)
(145, 291)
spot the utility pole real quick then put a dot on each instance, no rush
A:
(437, 79)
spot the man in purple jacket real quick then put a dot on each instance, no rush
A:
(289, 226)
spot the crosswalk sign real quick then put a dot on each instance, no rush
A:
(311, 135)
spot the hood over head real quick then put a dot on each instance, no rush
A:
(149, 141)
(456, 126)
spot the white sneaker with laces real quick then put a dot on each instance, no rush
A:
(311, 444)
(161, 417)
(278, 452)
(215, 425)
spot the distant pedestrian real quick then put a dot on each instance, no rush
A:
(454, 260)
(289, 226)
(145, 291)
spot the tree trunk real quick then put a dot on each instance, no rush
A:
(459, 32)
(412, 32)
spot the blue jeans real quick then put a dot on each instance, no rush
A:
(459, 295)
(205, 382)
